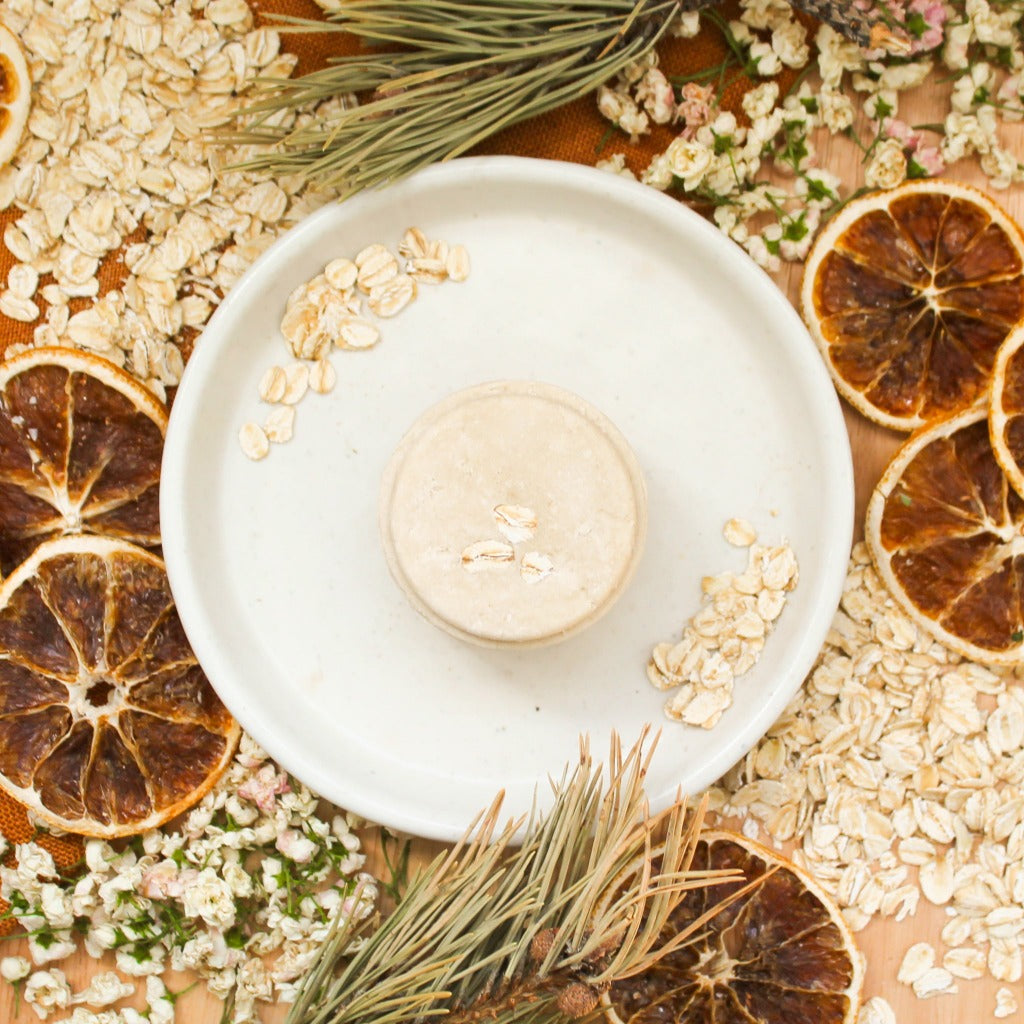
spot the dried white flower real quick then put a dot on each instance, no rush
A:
(104, 989)
(209, 897)
(55, 904)
(59, 946)
(46, 991)
(294, 845)
(759, 101)
(159, 1002)
(888, 166)
(688, 160)
(14, 968)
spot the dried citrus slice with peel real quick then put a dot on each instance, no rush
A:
(946, 533)
(909, 294)
(108, 725)
(779, 954)
(80, 449)
(15, 93)
(1006, 409)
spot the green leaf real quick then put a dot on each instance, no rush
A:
(795, 227)
(882, 108)
(916, 24)
(817, 190)
(915, 170)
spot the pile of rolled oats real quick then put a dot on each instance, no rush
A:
(120, 171)
(725, 638)
(898, 771)
(338, 309)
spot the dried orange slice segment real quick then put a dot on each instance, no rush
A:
(80, 449)
(946, 533)
(108, 725)
(1006, 409)
(909, 293)
(779, 954)
(15, 93)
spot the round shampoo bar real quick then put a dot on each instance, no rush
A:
(513, 513)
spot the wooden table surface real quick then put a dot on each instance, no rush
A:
(883, 942)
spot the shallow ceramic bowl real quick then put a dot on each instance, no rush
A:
(580, 279)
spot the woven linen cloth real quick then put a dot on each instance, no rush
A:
(575, 132)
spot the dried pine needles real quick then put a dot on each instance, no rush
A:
(444, 75)
(514, 935)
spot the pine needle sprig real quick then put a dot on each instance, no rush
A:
(448, 74)
(516, 934)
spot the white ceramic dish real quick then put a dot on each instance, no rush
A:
(580, 279)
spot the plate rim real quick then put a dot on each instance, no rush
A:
(837, 506)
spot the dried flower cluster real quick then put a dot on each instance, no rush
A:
(251, 871)
(899, 770)
(716, 161)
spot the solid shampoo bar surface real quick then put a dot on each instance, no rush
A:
(513, 513)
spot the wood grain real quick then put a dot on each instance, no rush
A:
(883, 942)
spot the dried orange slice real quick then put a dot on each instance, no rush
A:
(80, 449)
(909, 294)
(15, 93)
(779, 954)
(108, 725)
(946, 533)
(1006, 409)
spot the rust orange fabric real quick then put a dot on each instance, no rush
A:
(575, 132)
